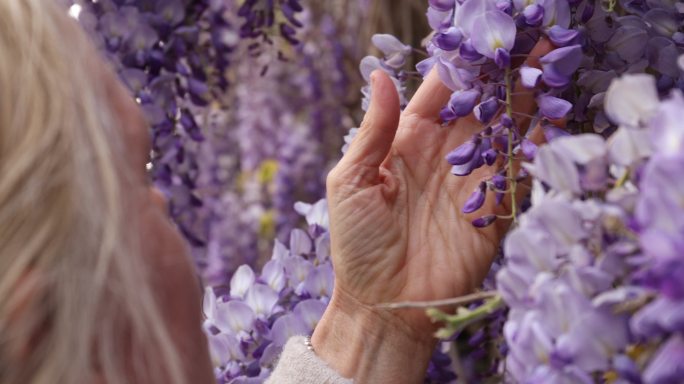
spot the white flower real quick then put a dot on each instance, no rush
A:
(632, 99)
(628, 145)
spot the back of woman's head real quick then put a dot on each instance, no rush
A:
(75, 302)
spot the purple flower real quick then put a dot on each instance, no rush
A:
(262, 299)
(460, 104)
(530, 76)
(662, 54)
(234, 317)
(533, 15)
(666, 366)
(486, 110)
(468, 52)
(560, 64)
(300, 243)
(310, 312)
(442, 5)
(449, 40)
(456, 77)
(628, 146)
(476, 200)
(241, 281)
(529, 149)
(659, 206)
(552, 314)
(666, 131)
(572, 163)
(286, 327)
(273, 275)
(225, 349)
(562, 37)
(484, 221)
(315, 214)
(662, 316)
(464, 153)
(247, 330)
(439, 19)
(627, 369)
(467, 168)
(553, 107)
(502, 58)
(556, 12)
(319, 281)
(468, 15)
(394, 50)
(629, 43)
(496, 30)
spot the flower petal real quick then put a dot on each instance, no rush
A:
(552, 107)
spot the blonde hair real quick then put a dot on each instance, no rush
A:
(63, 247)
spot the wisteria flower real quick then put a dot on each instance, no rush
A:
(632, 100)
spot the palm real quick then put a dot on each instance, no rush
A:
(447, 256)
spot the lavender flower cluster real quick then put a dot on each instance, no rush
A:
(594, 270)
(261, 17)
(584, 274)
(173, 56)
(249, 322)
(477, 47)
(271, 149)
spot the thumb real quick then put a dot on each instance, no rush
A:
(376, 134)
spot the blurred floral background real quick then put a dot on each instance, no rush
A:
(251, 102)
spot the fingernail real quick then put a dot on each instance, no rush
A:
(372, 78)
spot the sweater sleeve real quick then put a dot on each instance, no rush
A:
(299, 365)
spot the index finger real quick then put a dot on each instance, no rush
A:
(431, 97)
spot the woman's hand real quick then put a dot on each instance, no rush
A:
(398, 234)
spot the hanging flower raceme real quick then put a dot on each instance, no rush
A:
(473, 48)
(249, 322)
(173, 56)
(477, 43)
(595, 285)
(581, 264)
(393, 64)
(267, 21)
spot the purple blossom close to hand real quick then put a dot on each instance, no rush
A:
(550, 281)
(249, 322)
(600, 257)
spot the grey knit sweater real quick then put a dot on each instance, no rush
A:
(299, 365)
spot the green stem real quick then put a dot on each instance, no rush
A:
(623, 179)
(511, 171)
(463, 317)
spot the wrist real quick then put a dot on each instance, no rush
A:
(368, 344)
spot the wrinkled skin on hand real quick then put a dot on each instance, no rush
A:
(397, 229)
